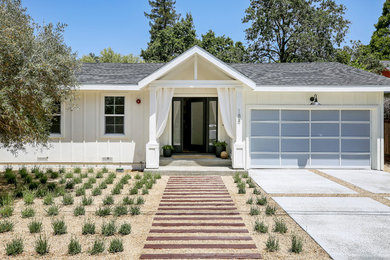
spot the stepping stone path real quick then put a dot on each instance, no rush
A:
(197, 219)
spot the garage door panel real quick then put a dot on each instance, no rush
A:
(325, 160)
(355, 160)
(325, 115)
(325, 130)
(325, 145)
(265, 145)
(295, 115)
(355, 115)
(265, 115)
(300, 160)
(265, 159)
(265, 129)
(355, 130)
(355, 146)
(295, 130)
(295, 145)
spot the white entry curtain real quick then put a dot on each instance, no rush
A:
(164, 100)
(227, 104)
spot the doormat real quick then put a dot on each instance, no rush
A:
(193, 156)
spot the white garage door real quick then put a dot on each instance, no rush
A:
(310, 138)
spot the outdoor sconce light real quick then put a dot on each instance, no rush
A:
(138, 101)
(314, 101)
(239, 116)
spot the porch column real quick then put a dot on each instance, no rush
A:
(238, 154)
(152, 147)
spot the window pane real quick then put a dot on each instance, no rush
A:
(177, 122)
(264, 129)
(264, 145)
(109, 110)
(355, 146)
(119, 110)
(265, 115)
(197, 137)
(326, 115)
(355, 115)
(110, 129)
(325, 160)
(324, 130)
(119, 120)
(109, 100)
(295, 145)
(355, 130)
(119, 129)
(300, 160)
(56, 125)
(295, 130)
(110, 119)
(355, 160)
(57, 108)
(120, 101)
(325, 145)
(295, 115)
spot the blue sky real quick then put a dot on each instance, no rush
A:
(120, 24)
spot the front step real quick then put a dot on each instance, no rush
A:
(195, 161)
(195, 170)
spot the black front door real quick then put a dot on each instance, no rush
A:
(194, 124)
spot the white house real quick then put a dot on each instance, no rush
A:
(126, 112)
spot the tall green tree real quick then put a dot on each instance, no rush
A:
(108, 55)
(37, 70)
(294, 30)
(380, 40)
(171, 41)
(223, 48)
(161, 16)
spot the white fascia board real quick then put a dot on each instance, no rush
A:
(186, 55)
(109, 87)
(196, 83)
(322, 88)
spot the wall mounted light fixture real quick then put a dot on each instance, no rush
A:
(314, 101)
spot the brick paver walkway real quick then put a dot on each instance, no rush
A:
(197, 219)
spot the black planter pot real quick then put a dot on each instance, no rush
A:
(167, 153)
(219, 150)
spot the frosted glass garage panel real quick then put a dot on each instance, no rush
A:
(295, 115)
(265, 115)
(295, 145)
(325, 130)
(295, 130)
(355, 146)
(325, 160)
(355, 130)
(265, 159)
(265, 129)
(264, 145)
(355, 115)
(355, 160)
(300, 160)
(325, 145)
(325, 115)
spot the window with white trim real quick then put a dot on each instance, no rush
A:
(114, 115)
(56, 120)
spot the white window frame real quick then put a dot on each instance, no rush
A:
(103, 116)
(372, 108)
(62, 120)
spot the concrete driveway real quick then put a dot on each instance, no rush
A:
(346, 211)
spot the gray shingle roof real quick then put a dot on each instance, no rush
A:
(264, 74)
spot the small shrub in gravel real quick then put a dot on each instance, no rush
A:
(296, 244)
(62, 181)
(125, 229)
(77, 180)
(120, 210)
(254, 211)
(149, 185)
(92, 180)
(61, 170)
(27, 179)
(88, 228)
(140, 200)
(54, 175)
(97, 248)
(260, 227)
(249, 201)
(77, 170)
(145, 191)
(52, 211)
(80, 191)
(270, 210)
(83, 175)
(6, 211)
(6, 226)
(104, 170)
(79, 210)
(272, 244)
(108, 200)
(87, 201)
(69, 175)
(139, 184)
(42, 245)
(256, 192)
(109, 180)
(10, 177)
(103, 185)
(237, 178)
(67, 199)
(59, 227)
(241, 188)
(40, 193)
(116, 245)
(28, 197)
(35, 226)
(59, 191)
(133, 191)
(116, 190)
(43, 179)
(23, 172)
(138, 176)
(69, 185)
(15, 247)
(135, 210)
(102, 212)
(96, 192)
(33, 186)
(90, 170)
(74, 247)
(87, 185)
(261, 201)
(128, 201)
(157, 176)
(245, 175)
(280, 226)
(28, 213)
(108, 229)
(48, 199)
(99, 175)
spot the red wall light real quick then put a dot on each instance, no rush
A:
(138, 101)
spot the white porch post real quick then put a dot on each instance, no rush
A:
(238, 155)
(152, 147)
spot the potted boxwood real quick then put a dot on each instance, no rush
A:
(220, 146)
(167, 150)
